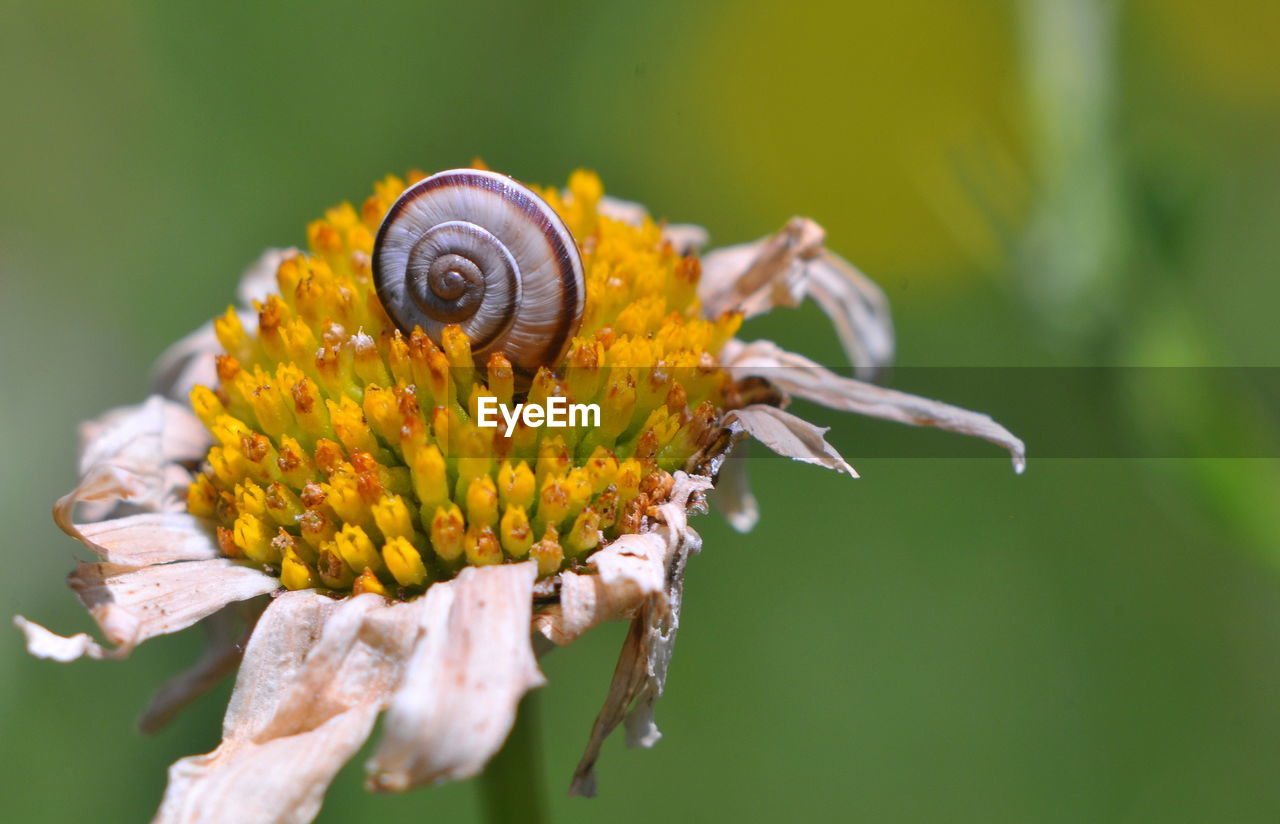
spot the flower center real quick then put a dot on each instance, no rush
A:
(352, 456)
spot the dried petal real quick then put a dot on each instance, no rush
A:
(258, 280)
(628, 680)
(732, 495)
(781, 269)
(803, 378)
(857, 308)
(467, 674)
(624, 211)
(685, 238)
(127, 454)
(187, 362)
(279, 781)
(190, 360)
(628, 572)
(659, 639)
(132, 604)
(315, 675)
(149, 538)
(143, 436)
(789, 436)
(642, 665)
(45, 644)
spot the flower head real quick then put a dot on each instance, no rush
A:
(351, 455)
(324, 480)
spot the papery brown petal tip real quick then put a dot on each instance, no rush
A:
(790, 436)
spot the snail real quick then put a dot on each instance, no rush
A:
(480, 250)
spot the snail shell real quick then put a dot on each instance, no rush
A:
(480, 250)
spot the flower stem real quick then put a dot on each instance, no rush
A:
(511, 787)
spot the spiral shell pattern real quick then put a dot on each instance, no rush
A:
(477, 249)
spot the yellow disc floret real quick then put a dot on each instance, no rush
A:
(349, 454)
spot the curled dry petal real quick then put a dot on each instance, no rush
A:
(623, 211)
(161, 570)
(659, 639)
(101, 490)
(780, 270)
(143, 436)
(258, 281)
(628, 679)
(190, 360)
(858, 309)
(463, 681)
(276, 781)
(148, 538)
(799, 376)
(752, 278)
(627, 573)
(127, 454)
(315, 675)
(641, 671)
(132, 604)
(788, 436)
(685, 238)
(733, 496)
(45, 644)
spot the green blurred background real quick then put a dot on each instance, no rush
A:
(1035, 184)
